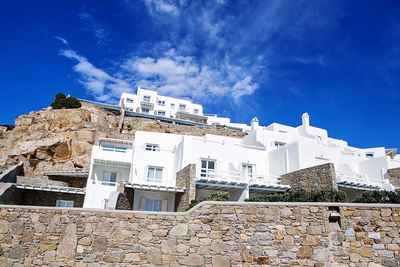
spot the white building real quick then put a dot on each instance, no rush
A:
(150, 102)
(242, 167)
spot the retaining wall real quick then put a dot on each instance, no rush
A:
(211, 234)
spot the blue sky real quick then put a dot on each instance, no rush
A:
(337, 60)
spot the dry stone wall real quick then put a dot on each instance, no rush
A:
(394, 176)
(321, 176)
(213, 234)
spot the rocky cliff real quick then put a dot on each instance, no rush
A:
(50, 140)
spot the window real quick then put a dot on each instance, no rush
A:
(65, 203)
(161, 113)
(129, 100)
(152, 205)
(247, 170)
(196, 111)
(207, 166)
(146, 110)
(152, 147)
(154, 174)
(279, 144)
(146, 98)
(113, 148)
(369, 154)
(172, 106)
(182, 107)
(161, 102)
(109, 178)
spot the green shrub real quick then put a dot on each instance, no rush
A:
(212, 197)
(301, 195)
(379, 197)
(61, 101)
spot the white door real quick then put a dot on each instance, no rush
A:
(247, 170)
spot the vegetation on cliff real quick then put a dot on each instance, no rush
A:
(61, 101)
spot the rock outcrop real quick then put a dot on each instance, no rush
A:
(50, 139)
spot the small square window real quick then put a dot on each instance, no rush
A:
(152, 147)
(207, 167)
(161, 102)
(129, 100)
(154, 174)
(182, 107)
(161, 113)
(369, 154)
(152, 205)
(172, 106)
(196, 111)
(65, 203)
(109, 178)
(145, 110)
(146, 98)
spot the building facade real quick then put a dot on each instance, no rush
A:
(150, 102)
(151, 166)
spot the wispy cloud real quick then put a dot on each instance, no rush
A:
(183, 76)
(162, 6)
(63, 40)
(97, 82)
(94, 27)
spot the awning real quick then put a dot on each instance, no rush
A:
(71, 173)
(148, 187)
(361, 186)
(112, 163)
(71, 190)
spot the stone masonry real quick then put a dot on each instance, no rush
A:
(394, 176)
(186, 178)
(321, 176)
(212, 234)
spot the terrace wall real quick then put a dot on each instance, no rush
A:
(211, 234)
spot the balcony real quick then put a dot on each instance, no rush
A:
(236, 179)
(357, 181)
(111, 157)
(146, 104)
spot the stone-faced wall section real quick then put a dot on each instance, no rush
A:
(185, 178)
(321, 176)
(213, 234)
(394, 176)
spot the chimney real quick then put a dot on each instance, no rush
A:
(305, 119)
(255, 123)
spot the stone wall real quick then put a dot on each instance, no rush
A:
(394, 176)
(321, 176)
(185, 178)
(213, 234)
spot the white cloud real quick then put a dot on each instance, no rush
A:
(97, 82)
(184, 76)
(162, 6)
(63, 40)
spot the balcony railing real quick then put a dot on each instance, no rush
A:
(238, 177)
(153, 182)
(343, 176)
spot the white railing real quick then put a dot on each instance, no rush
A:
(235, 176)
(264, 179)
(343, 176)
(152, 182)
